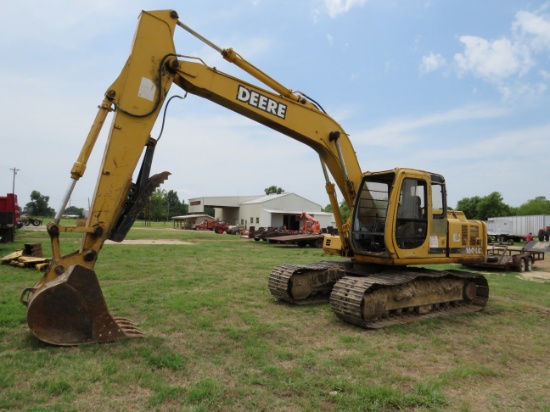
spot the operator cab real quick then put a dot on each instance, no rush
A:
(396, 210)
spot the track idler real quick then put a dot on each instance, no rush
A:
(71, 310)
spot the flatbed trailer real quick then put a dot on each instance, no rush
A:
(301, 240)
(296, 237)
(515, 258)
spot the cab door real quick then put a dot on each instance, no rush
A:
(439, 232)
(411, 223)
(421, 229)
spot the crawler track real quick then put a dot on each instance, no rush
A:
(305, 284)
(401, 296)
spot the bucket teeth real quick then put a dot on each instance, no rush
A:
(125, 322)
(129, 327)
(134, 333)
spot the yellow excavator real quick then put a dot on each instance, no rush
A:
(399, 218)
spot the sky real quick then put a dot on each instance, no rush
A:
(459, 88)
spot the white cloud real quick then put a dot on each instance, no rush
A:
(533, 29)
(505, 163)
(401, 131)
(501, 156)
(506, 57)
(508, 61)
(432, 62)
(516, 91)
(336, 7)
(494, 60)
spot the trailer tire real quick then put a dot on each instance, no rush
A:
(36, 222)
(522, 267)
(317, 243)
(529, 267)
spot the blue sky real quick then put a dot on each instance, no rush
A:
(459, 88)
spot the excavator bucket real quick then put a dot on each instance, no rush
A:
(71, 310)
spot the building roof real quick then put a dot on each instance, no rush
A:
(265, 198)
(273, 196)
(297, 212)
(184, 217)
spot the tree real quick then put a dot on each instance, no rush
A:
(38, 206)
(273, 189)
(468, 205)
(176, 207)
(537, 206)
(482, 208)
(209, 210)
(73, 210)
(493, 206)
(344, 209)
(159, 205)
(163, 205)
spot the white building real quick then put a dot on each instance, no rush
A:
(275, 210)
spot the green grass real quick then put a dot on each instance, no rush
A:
(217, 341)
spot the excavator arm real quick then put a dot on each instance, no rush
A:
(66, 306)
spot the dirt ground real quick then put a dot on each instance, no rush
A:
(540, 272)
(149, 242)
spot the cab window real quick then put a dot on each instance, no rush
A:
(411, 228)
(369, 220)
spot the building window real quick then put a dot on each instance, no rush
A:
(242, 221)
(257, 220)
(251, 220)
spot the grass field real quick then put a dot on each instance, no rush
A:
(217, 341)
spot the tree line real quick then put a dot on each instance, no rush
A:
(161, 207)
(484, 207)
(165, 204)
(492, 205)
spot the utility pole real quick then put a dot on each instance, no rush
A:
(15, 170)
